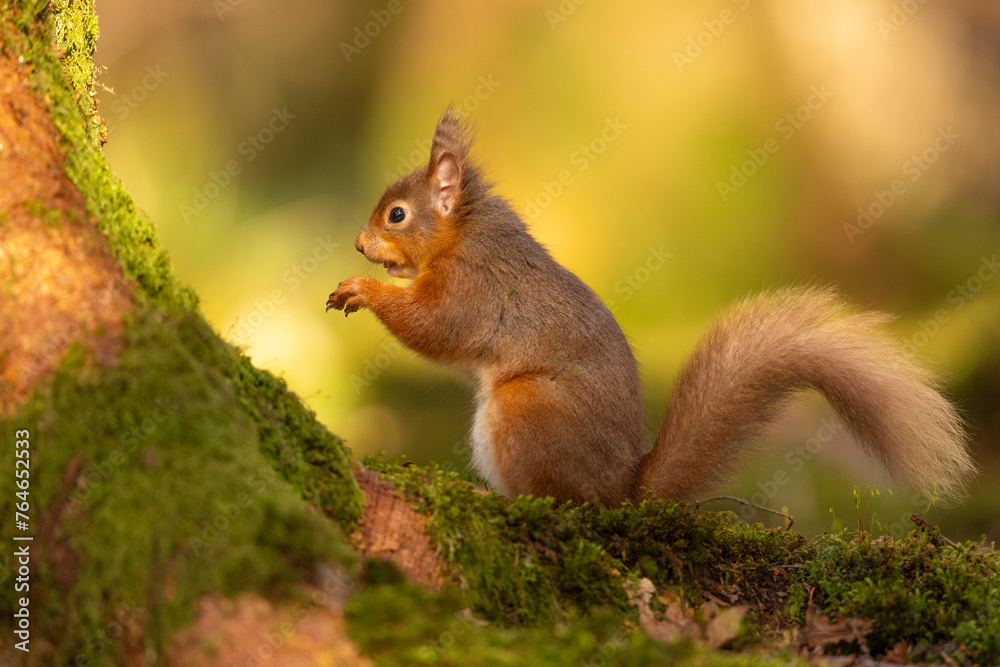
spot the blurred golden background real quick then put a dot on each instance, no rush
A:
(676, 156)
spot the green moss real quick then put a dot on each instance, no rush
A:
(511, 556)
(529, 563)
(796, 603)
(676, 545)
(73, 26)
(400, 624)
(935, 597)
(303, 451)
(144, 497)
(67, 85)
(51, 217)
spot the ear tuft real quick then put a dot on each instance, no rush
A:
(449, 152)
(453, 135)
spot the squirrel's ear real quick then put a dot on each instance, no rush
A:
(448, 153)
(446, 183)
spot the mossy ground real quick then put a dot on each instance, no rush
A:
(400, 624)
(526, 563)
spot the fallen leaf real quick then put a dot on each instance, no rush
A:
(899, 655)
(725, 625)
(676, 624)
(819, 631)
(720, 624)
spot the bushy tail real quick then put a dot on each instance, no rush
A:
(766, 349)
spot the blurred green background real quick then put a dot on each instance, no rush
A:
(758, 143)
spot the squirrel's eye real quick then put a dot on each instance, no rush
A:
(397, 214)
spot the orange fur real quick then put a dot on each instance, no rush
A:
(559, 406)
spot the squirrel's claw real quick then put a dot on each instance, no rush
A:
(346, 297)
(337, 300)
(352, 305)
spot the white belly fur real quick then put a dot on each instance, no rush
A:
(483, 456)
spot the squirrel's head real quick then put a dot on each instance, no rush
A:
(420, 215)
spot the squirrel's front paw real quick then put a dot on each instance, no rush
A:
(349, 296)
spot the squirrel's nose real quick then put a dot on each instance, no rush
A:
(360, 247)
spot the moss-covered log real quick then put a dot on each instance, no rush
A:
(186, 508)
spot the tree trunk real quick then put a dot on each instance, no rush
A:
(162, 469)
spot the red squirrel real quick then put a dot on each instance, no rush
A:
(558, 398)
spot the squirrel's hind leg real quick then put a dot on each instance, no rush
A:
(529, 440)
